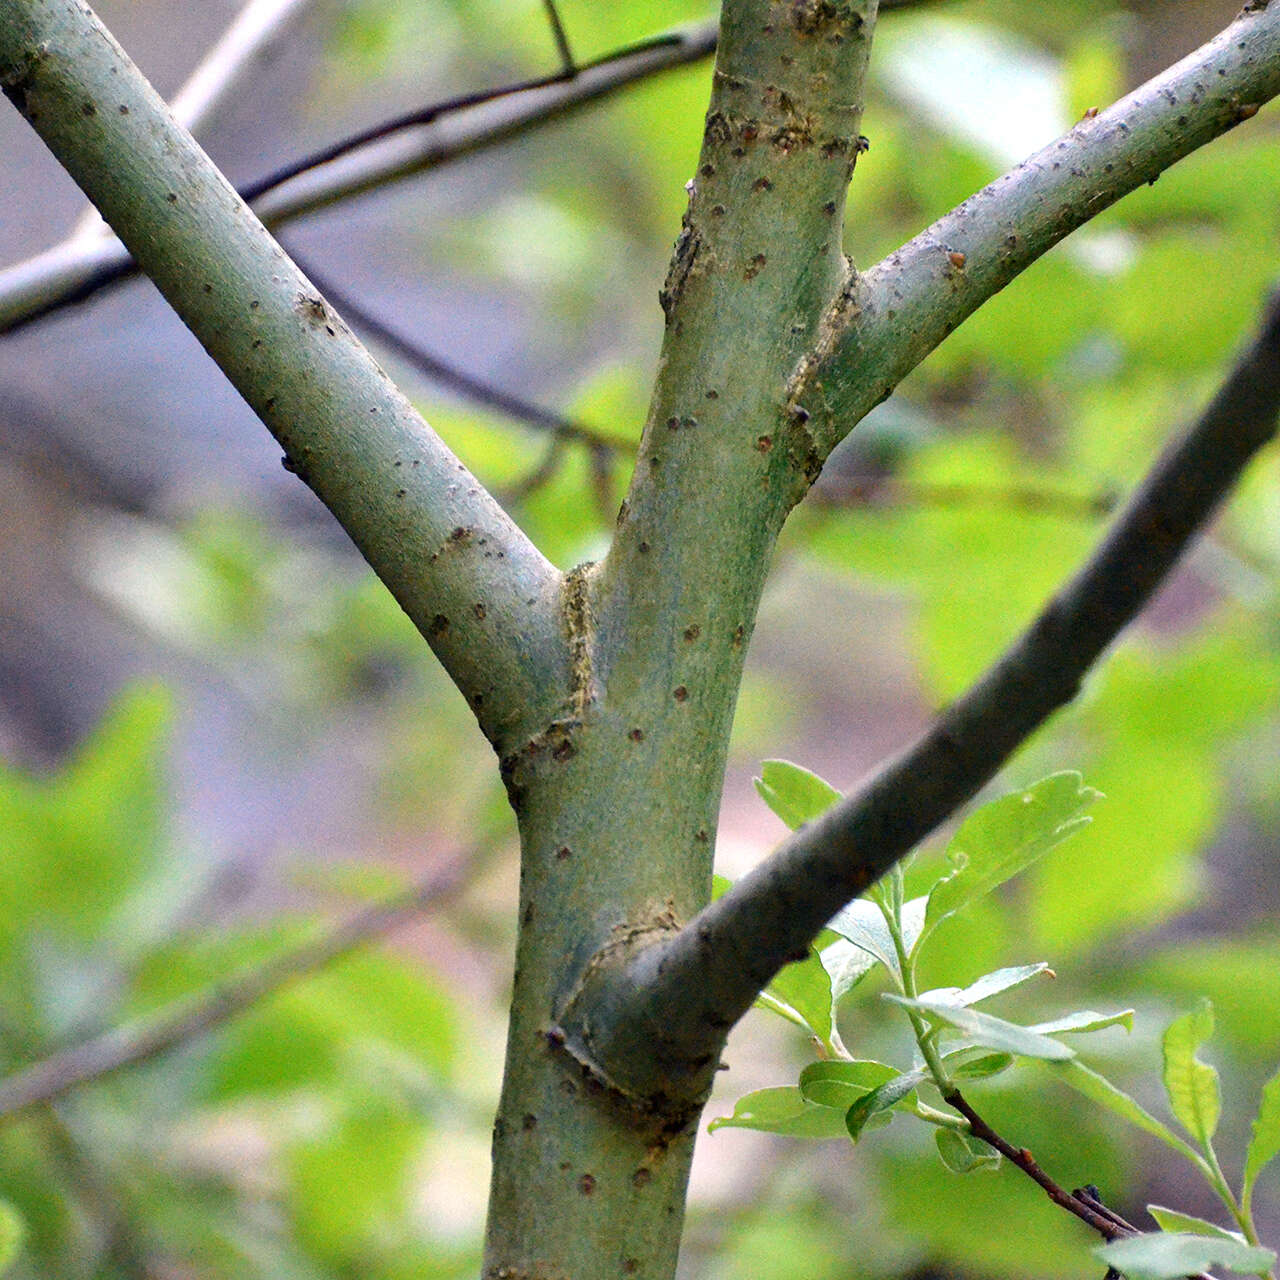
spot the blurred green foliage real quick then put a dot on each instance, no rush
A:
(295, 1143)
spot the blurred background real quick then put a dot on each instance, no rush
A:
(218, 734)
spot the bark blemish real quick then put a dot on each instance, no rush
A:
(579, 629)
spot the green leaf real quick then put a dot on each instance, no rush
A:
(970, 1064)
(863, 923)
(881, 1100)
(341, 1217)
(794, 794)
(783, 1110)
(963, 1153)
(841, 1084)
(1194, 1093)
(846, 966)
(1172, 1221)
(1097, 1088)
(991, 984)
(1085, 1020)
(12, 1233)
(985, 1031)
(1264, 1146)
(1003, 838)
(79, 843)
(1161, 1256)
(801, 993)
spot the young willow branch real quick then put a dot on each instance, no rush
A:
(661, 1021)
(484, 597)
(179, 1025)
(898, 311)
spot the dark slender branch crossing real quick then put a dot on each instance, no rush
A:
(448, 375)
(1108, 1225)
(1084, 1203)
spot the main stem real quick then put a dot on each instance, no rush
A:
(617, 797)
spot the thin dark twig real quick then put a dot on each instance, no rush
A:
(601, 459)
(1084, 1202)
(440, 371)
(1106, 1224)
(558, 33)
(186, 1020)
(542, 473)
(430, 114)
(1090, 1195)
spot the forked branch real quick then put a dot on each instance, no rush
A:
(484, 597)
(661, 1022)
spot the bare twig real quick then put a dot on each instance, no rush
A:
(1108, 1225)
(1084, 1202)
(559, 35)
(442, 372)
(186, 1021)
(679, 998)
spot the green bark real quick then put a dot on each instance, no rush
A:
(617, 800)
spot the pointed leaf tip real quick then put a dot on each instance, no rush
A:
(1195, 1096)
(794, 793)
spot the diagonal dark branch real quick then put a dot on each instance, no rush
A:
(674, 1003)
(440, 371)
(1084, 1202)
(179, 1025)
(1092, 1213)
